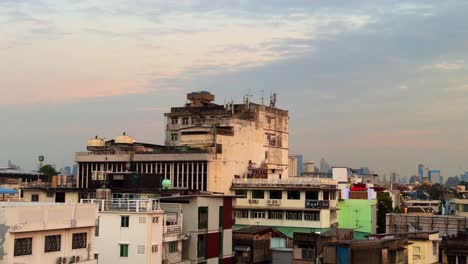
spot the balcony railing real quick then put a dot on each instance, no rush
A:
(125, 205)
(172, 230)
(292, 182)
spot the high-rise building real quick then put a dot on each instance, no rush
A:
(421, 172)
(295, 165)
(434, 175)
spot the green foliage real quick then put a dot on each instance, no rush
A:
(384, 202)
(48, 172)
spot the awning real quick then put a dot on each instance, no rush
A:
(7, 191)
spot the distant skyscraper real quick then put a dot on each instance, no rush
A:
(421, 172)
(75, 169)
(434, 175)
(295, 165)
(67, 170)
(324, 166)
(441, 180)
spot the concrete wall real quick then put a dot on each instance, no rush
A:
(358, 214)
(40, 220)
(422, 251)
(70, 197)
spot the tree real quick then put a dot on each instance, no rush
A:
(384, 202)
(48, 172)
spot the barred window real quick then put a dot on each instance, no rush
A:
(141, 249)
(173, 247)
(258, 214)
(312, 216)
(142, 219)
(241, 213)
(79, 240)
(52, 243)
(276, 215)
(23, 246)
(294, 215)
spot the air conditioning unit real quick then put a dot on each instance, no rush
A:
(277, 202)
(251, 201)
(72, 259)
(61, 260)
(269, 202)
(77, 259)
(155, 248)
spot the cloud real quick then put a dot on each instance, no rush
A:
(106, 49)
(446, 66)
(403, 87)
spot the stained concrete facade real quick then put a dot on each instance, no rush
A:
(35, 221)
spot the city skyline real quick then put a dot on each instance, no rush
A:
(381, 85)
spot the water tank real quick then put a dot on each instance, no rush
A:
(124, 139)
(103, 194)
(96, 142)
(166, 184)
(309, 166)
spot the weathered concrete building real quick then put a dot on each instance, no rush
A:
(207, 145)
(294, 202)
(47, 233)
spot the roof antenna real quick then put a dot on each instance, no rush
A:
(273, 100)
(263, 97)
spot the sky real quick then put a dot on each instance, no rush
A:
(381, 84)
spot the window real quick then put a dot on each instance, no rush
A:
(96, 229)
(308, 253)
(276, 195)
(141, 249)
(155, 220)
(333, 195)
(174, 136)
(175, 120)
(435, 248)
(173, 247)
(294, 215)
(154, 248)
(201, 246)
(461, 259)
(241, 213)
(221, 217)
(257, 194)
(326, 195)
(311, 195)
(79, 240)
(124, 220)
(258, 214)
(202, 217)
(124, 250)
(52, 243)
(34, 197)
(242, 193)
(142, 220)
(333, 215)
(23, 246)
(312, 216)
(276, 215)
(294, 195)
(185, 121)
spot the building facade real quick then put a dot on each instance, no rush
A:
(292, 202)
(47, 233)
(207, 145)
(138, 231)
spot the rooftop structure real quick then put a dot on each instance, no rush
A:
(207, 145)
(445, 224)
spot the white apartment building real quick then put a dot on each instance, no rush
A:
(292, 202)
(47, 233)
(138, 231)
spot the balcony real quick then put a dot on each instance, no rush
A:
(172, 230)
(293, 182)
(125, 205)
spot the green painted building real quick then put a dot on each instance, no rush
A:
(358, 214)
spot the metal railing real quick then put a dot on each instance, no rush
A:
(292, 181)
(172, 230)
(125, 205)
